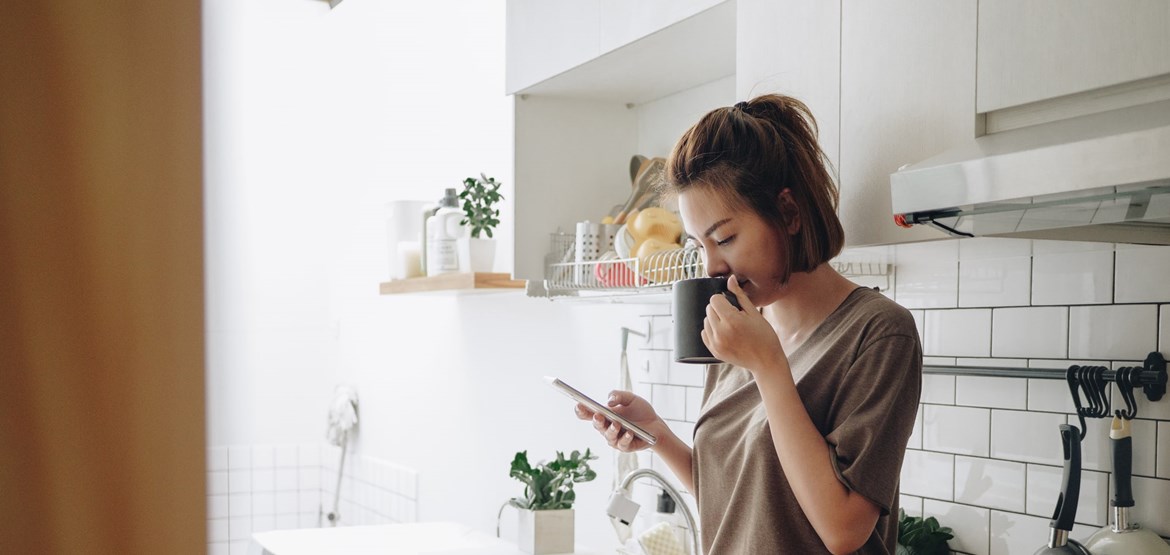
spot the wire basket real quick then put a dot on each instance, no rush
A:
(612, 273)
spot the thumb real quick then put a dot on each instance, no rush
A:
(618, 397)
(733, 286)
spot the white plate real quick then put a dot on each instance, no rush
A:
(623, 242)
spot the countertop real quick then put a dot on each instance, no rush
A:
(429, 538)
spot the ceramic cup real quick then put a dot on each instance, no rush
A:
(689, 306)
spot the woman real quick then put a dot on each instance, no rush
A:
(799, 443)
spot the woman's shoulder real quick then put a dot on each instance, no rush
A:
(878, 314)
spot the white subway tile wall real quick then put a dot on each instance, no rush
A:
(985, 457)
(259, 488)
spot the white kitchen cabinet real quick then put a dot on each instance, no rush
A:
(547, 38)
(1042, 49)
(576, 130)
(623, 21)
(907, 93)
(794, 48)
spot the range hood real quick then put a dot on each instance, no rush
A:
(1100, 177)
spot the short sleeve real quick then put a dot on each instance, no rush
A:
(873, 417)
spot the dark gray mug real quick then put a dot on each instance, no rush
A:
(689, 307)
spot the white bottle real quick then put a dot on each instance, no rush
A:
(442, 231)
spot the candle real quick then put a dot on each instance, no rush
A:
(409, 260)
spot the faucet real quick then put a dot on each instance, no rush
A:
(622, 509)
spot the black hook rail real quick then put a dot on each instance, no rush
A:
(1090, 381)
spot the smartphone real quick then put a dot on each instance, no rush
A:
(602, 409)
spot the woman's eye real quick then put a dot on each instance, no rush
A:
(691, 243)
(725, 241)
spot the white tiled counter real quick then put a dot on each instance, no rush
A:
(416, 538)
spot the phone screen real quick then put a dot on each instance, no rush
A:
(593, 405)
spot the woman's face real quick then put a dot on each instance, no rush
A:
(734, 241)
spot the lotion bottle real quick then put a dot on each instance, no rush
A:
(442, 230)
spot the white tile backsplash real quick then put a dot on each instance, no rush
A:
(1044, 489)
(938, 389)
(1163, 450)
(239, 456)
(982, 391)
(692, 375)
(286, 485)
(1026, 436)
(911, 504)
(1164, 329)
(990, 483)
(1017, 534)
(995, 272)
(959, 430)
(928, 474)
(1097, 450)
(971, 525)
(958, 333)
(915, 441)
(1151, 499)
(694, 403)
(670, 401)
(1030, 332)
(1067, 273)
(927, 275)
(1049, 396)
(1114, 332)
(1142, 274)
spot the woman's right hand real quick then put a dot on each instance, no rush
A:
(631, 407)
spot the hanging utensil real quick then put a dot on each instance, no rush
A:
(644, 185)
(1066, 504)
(636, 162)
(1124, 537)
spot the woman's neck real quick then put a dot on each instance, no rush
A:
(809, 298)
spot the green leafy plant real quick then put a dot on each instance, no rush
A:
(478, 197)
(549, 486)
(918, 536)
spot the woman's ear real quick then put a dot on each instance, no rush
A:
(788, 211)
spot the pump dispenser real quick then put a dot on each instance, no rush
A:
(442, 230)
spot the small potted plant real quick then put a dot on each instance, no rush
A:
(479, 195)
(546, 509)
(919, 536)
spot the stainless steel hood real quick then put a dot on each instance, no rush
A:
(1100, 177)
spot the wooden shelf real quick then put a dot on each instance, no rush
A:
(466, 282)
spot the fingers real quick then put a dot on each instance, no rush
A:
(615, 435)
(583, 412)
(744, 302)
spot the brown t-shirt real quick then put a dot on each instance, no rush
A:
(859, 376)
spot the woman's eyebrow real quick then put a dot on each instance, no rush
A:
(711, 229)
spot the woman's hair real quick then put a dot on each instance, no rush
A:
(751, 152)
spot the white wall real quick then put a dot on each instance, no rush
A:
(314, 119)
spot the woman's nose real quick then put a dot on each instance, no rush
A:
(715, 265)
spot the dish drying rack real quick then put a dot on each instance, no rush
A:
(613, 275)
(650, 278)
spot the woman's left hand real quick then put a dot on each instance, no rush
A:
(740, 337)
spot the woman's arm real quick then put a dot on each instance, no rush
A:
(669, 446)
(841, 517)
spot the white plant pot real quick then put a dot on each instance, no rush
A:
(546, 532)
(477, 255)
